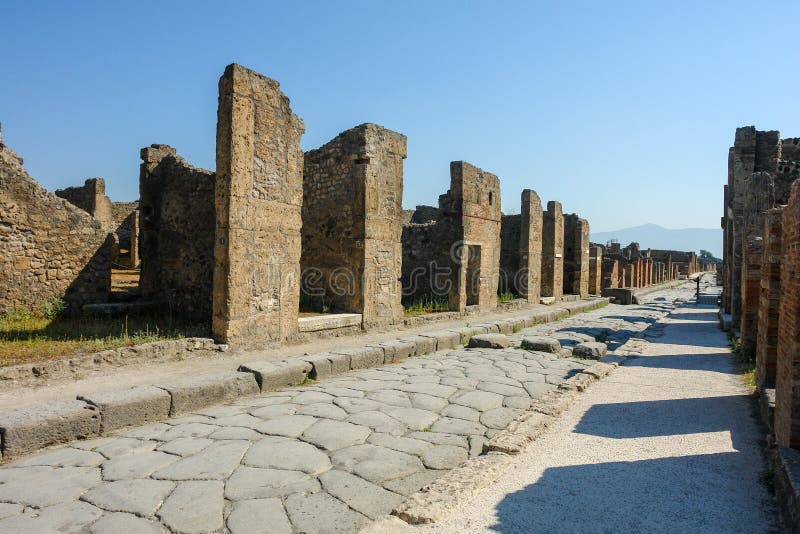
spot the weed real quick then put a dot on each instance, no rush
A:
(307, 381)
(517, 328)
(426, 305)
(506, 296)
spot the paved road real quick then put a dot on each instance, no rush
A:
(326, 457)
(668, 443)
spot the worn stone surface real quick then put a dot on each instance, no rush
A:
(541, 343)
(552, 251)
(258, 197)
(576, 256)
(49, 248)
(489, 341)
(194, 506)
(590, 349)
(128, 407)
(258, 514)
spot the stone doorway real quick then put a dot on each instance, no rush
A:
(473, 275)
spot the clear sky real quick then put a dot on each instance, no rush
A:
(622, 110)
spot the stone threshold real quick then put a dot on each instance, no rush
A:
(631, 295)
(25, 430)
(330, 321)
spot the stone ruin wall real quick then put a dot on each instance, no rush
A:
(259, 194)
(91, 198)
(177, 233)
(426, 265)
(770, 297)
(610, 273)
(553, 251)
(510, 238)
(352, 223)
(49, 248)
(474, 199)
(126, 221)
(595, 270)
(576, 255)
(521, 249)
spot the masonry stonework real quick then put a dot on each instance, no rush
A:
(595, 270)
(352, 211)
(553, 251)
(177, 247)
(576, 255)
(521, 249)
(769, 303)
(49, 248)
(91, 198)
(259, 193)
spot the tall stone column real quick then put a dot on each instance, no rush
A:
(529, 283)
(259, 194)
(595, 270)
(770, 299)
(553, 251)
(576, 255)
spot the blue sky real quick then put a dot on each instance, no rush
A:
(622, 110)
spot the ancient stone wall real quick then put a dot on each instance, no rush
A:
(352, 217)
(259, 193)
(576, 255)
(769, 303)
(553, 251)
(751, 295)
(126, 222)
(49, 248)
(177, 230)
(595, 270)
(610, 273)
(427, 265)
(474, 200)
(91, 198)
(521, 249)
(787, 389)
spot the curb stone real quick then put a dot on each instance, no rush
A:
(26, 430)
(439, 499)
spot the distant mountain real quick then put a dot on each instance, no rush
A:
(658, 237)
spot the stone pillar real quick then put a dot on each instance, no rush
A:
(259, 195)
(134, 238)
(595, 270)
(787, 386)
(751, 295)
(529, 277)
(769, 305)
(576, 255)
(553, 251)
(352, 194)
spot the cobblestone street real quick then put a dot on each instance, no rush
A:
(329, 456)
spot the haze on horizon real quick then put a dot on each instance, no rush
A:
(623, 112)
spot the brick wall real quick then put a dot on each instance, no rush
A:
(769, 302)
(595, 285)
(751, 295)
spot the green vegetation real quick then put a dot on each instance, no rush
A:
(708, 257)
(27, 337)
(426, 305)
(314, 303)
(747, 364)
(505, 297)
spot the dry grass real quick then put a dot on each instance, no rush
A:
(25, 338)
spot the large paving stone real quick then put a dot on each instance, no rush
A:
(196, 393)
(440, 438)
(351, 405)
(401, 444)
(256, 483)
(117, 522)
(29, 429)
(311, 397)
(122, 446)
(322, 514)
(413, 418)
(390, 397)
(362, 496)
(501, 389)
(258, 514)
(65, 517)
(541, 344)
(291, 426)
(188, 430)
(323, 410)
(332, 435)
(136, 465)
(461, 427)
(276, 375)
(379, 422)
(283, 453)
(62, 457)
(276, 410)
(444, 457)
(428, 402)
(140, 497)
(593, 350)
(489, 341)
(215, 462)
(437, 390)
(185, 446)
(462, 412)
(40, 486)
(235, 432)
(194, 506)
(8, 509)
(499, 418)
(411, 484)
(478, 400)
(129, 407)
(375, 463)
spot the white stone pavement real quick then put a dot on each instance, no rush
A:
(668, 443)
(326, 457)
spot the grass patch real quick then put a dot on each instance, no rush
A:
(426, 305)
(505, 297)
(747, 365)
(517, 328)
(26, 337)
(314, 303)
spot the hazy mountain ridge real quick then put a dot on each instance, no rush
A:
(657, 237)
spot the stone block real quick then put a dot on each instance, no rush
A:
(276, 375)
(445, 339)
(397, 350)
(425, 345)
(364, 357)
(467, 332)
(541, 344)
(129, 407)
(26, 430)
(593, 350)
(196, 393)
(489, 341)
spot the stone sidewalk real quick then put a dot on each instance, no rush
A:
(669, 443)
(329, 456)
